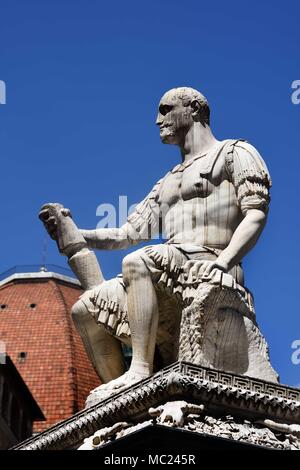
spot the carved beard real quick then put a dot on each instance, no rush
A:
(173, 131)
(167, 134)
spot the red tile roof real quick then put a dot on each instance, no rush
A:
(36, 321)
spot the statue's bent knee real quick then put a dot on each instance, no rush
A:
(133, 267)
(78, 311)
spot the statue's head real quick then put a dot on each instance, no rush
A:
(178, 110)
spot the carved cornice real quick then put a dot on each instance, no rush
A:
(221, 392)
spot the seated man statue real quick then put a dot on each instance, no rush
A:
(211, 207)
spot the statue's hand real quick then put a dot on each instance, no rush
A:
(48, 216)
(194, 269)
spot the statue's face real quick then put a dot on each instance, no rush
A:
(173, 119)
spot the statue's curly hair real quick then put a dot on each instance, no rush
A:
(187, 95)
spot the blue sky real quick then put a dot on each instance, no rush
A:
(83, 82)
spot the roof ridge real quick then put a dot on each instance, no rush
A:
(74, 375)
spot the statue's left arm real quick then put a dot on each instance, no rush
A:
(243, 239)
(250, 177)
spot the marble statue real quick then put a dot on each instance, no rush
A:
(184, 299)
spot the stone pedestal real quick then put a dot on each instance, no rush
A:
(183, 407)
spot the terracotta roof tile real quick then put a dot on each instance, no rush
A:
(56, 368)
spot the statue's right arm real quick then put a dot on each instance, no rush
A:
(111, 238)
(141, 225)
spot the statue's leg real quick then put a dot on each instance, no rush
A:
(143, 312)
(103, 350)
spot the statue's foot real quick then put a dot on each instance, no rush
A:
(129, 378)
(106, 390)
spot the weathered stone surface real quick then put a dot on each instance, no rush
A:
(186, 298)
(228, 427)
(204, 401)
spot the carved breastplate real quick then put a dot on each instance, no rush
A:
(193, 184)
(195, 179)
